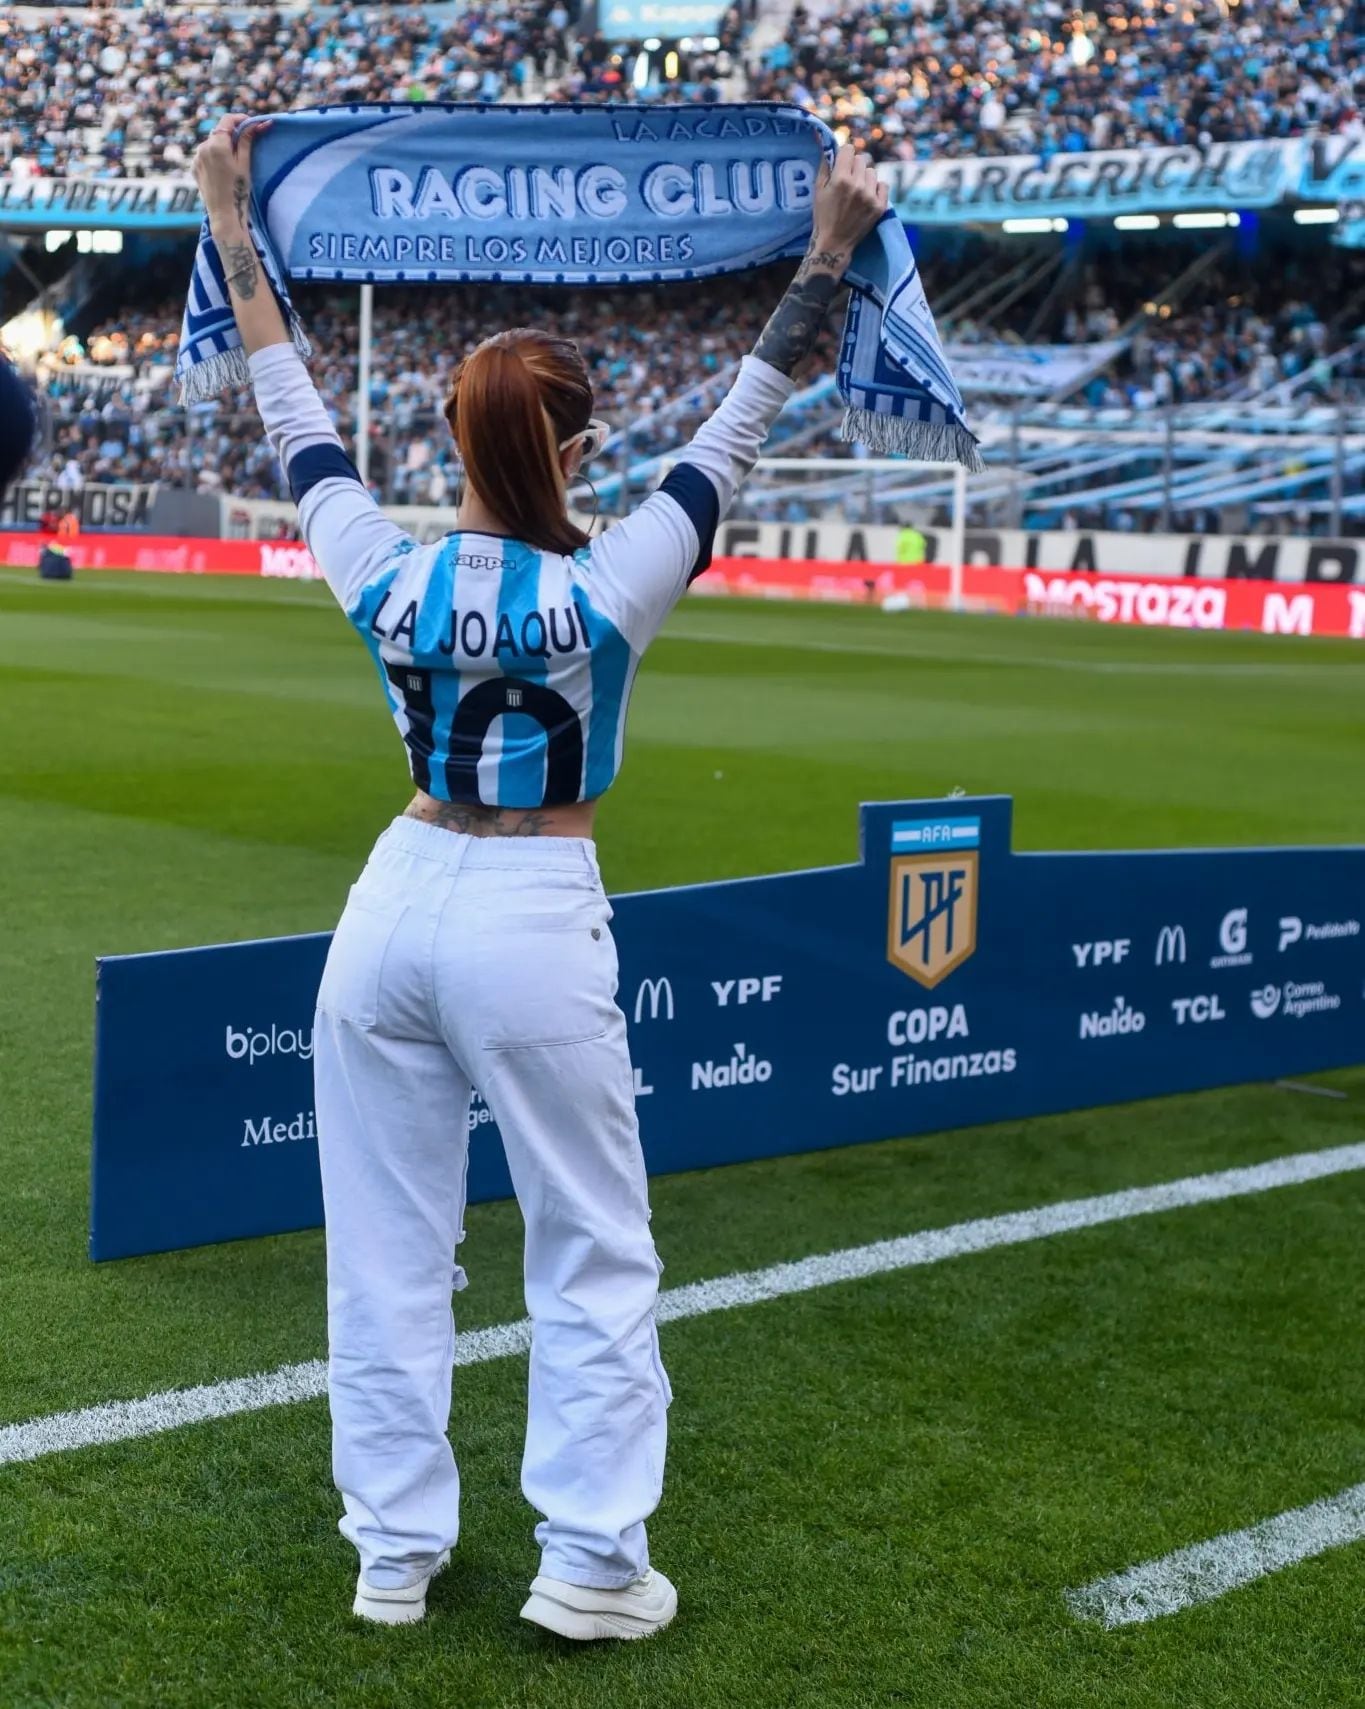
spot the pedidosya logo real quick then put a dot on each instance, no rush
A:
(252, 1044)
(931, 917)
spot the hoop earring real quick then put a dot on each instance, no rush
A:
(596, 506)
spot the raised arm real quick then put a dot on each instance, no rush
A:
(645, 562)
(345, 530)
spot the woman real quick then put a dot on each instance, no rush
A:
(474, 950)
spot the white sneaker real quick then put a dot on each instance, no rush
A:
(637, 1610)
(402, 1607)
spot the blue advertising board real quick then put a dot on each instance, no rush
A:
(940, 981)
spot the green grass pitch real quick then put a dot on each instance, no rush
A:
(878, 1491)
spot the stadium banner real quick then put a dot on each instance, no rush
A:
(100, 504)
(1168, 602)
(940, 981)
(1256, 557)
(1002, 369)
(1101, 183)
(634, 20)
(119, 204)
(1320, 607)
(168, 554)
(1232, 175)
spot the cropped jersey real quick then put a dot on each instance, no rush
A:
(508, 670)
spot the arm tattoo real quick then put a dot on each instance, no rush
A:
(241, 197)
(478, 821)
(241, 269)
(795, 325)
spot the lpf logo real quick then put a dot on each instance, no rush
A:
(931, 921)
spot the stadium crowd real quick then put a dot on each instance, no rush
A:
(123, 93)
(914, 79)
(112, 396)
(112, 399)
(129, 93)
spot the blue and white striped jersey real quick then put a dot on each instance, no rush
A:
(508, 670)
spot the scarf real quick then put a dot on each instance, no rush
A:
(573, 194)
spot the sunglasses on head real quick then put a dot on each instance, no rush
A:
(592, 438)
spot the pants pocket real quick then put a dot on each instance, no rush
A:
(548, 988)
(354, 973)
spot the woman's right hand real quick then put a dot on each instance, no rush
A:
(849, 200)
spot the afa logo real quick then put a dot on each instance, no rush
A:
(931, 921)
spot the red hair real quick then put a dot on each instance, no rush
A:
(513, 400)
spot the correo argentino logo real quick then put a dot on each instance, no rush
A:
(931, 916)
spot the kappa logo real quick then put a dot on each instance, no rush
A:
(931, 920)
(659, 992)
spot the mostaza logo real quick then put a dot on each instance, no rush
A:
(931, 920)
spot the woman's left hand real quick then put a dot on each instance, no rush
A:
(222, 169)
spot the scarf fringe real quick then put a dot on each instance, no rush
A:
(227, 370)
(921, 441)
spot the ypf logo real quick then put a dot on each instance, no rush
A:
(931, 916)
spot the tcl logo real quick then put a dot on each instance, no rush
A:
(1197, 1010)
(1107, 952)
(747, 990)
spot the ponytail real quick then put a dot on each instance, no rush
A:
(513, 400)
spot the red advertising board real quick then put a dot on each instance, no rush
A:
(1271, 608)
(168, 554)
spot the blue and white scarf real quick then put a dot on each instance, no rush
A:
(564, 194)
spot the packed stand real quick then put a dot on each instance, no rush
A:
(113, 404)
(130, 94)
(921, 79)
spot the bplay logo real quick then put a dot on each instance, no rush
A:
(1107, 952)
(1292, 929)
(743, 1069)
(659, 993)
(1170, 945)
(1122, 1018)
(1232, 936)
(251, 1045)
(1197, 1010)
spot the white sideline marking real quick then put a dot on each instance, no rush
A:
(1205, 1571)
(118, 1421)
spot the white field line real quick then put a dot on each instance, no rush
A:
(119, 1421)
(1205, 1571)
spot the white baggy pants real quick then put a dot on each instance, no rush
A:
(485, 961)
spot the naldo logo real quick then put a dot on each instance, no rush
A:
(743, 1069)
(1122, 1018)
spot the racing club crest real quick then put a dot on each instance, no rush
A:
(931, 922)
